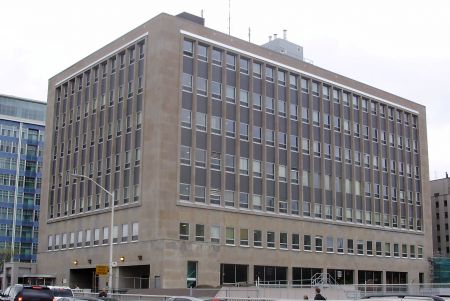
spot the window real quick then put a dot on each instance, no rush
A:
(305, 146)
(202, 86)
(229, 236)
(257, 202)
(124, 232)
(404, 250)
(217, 57)
(184, 231)
(230, 94)
(270, 170)
(229, 163)
(305, 117)
(282, 108)
(87, 242)
(316, 118)
(200, 121)
(330, 244)
(387, 249)
(340, 245)
(243, 131)
(283, 240)
(230, 127)
(216, 90)
(360, 247)
(243, 97)
(270, 204)
(215, 161)
(318, 244)
(369, 247)
(257, 101)
(282, 173)
(215, 234)
(270, 239)
(243, 166)
(216, 125)
(293, 81)
(270, 105)
(188, 48)
(243, 233)
(202, 52)
(200, 157)
(187, 82)
(243, 200)
(229, 198)
(257, 238)
(307, 242)
(304, 85)
(295, 241)
(269, 74)
(200, 194)
(257, 70)
(257, 168)
(214, 197)
(281, 78)
(243, 66)
(350, 249)
(199, 232)
(396, 250)
(316, 147)
(336, 95)
(135, 232)
(231, 61)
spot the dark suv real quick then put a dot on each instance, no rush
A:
(19, 292)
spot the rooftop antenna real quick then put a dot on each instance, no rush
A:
(249, 31)
(229, 17)
(201, 13)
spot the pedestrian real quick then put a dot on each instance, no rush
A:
(103, 293)
(318, 295)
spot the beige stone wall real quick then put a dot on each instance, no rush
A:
(158, 211)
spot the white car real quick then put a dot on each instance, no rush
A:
(61, 291)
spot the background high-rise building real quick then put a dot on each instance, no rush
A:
(22, 128)
(230, 162)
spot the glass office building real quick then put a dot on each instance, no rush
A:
(21, 154)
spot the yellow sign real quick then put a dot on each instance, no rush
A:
(101, 270)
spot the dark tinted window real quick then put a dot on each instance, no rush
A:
(62, 292)
(36, 293)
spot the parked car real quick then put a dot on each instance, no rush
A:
(184, 298)
(402, 297)
(87, 298)
(61, 291)
(19, 292)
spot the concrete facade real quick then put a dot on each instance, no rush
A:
(440, 210)
(158, 128)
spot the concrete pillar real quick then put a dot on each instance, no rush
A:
(250, 279)
(289, 276)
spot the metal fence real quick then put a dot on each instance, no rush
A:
(276, 292)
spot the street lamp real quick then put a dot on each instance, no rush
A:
(111, 230)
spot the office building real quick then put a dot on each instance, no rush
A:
(22, 125)
(230, 163)
(439, 203)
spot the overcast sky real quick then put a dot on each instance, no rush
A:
(400, 46)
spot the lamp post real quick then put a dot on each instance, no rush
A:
(111, 194)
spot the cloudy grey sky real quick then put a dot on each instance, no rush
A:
(400, 46)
